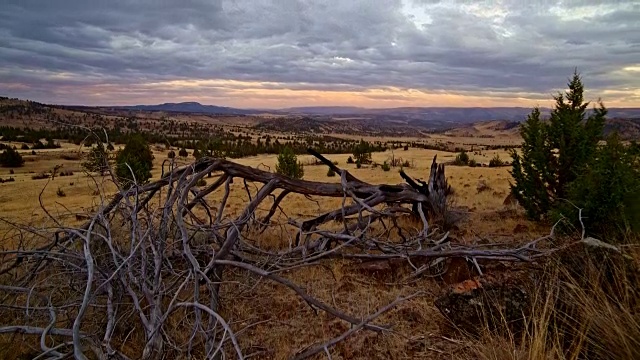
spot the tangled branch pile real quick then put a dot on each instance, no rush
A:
(151, 263)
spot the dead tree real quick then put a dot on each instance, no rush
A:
(436, 190)
(159, 254)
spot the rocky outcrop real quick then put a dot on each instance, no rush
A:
(497, 303)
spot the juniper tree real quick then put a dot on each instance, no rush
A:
(289, 165)
(362, 152)
(608, 190)
(135, 161)
(556, 151)
(573, 134)
(11, 158)
(461, 159)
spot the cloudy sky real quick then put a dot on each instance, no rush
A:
(280, 53)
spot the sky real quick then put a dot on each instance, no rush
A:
(283, 53)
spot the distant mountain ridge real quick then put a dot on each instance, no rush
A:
(411, 115)
(320, 120)
(471, 114)
(190, 107)
(433, 118)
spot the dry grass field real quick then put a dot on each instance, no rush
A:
(281, 324)
(21, 200)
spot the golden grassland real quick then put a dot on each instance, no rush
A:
(21, 200)
(279, 324)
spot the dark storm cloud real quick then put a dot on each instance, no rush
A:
(49, 48)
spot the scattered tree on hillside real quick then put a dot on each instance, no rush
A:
(11, 158)
(362, 152)
(461, 159)
(135, 161)
(496, 161)
(212, 148)
(183, 152)
(289, 165)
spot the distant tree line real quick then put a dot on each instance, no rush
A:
(218, 143)
(238, 148)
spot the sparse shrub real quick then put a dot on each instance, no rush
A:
(183, 153)
(350, 160)
(51, 144)
(40, 176)
(171, 154)
(472, 163)
(135, 161)
(406, 147)
(358, 164)
(386, 166)
(461, 159)
(11, 158)
(61, 193)
(11, 172)
(24, 147)
(201, 183)
(396, 161)
(289, 165)
(335, 162)
(33, 152)
(406, 164)
(110, 147)
(496, 161)
(331, 173)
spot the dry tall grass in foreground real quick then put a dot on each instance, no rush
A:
(167, 270)
(585, 307)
